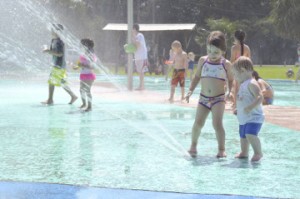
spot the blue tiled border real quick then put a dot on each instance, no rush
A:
(24, 190)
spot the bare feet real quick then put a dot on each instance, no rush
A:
(171, 100)
(82, 106)
(221, 154)
(88, 109)
(48, 102)
(73, 99)
(256, 157)
(193, 153)
(139, 89)
(241, 155)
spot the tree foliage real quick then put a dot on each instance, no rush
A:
(270, 38)
(285, 17)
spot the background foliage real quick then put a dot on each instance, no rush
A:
(272, 26)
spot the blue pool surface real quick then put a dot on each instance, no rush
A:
(121, 147)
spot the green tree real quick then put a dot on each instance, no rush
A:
(285, 16)
(225, 25)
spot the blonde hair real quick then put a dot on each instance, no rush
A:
(243, 62)
(176, 44)
(191, 55)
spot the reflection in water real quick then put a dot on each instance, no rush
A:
(176, 114)
(242, 163)
(86, 148)
(57, 141)
(182, 114)
(206, 160)
(56, 146)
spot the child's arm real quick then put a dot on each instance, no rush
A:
(86, 61)
(171, 62)
(136, 40)
(256, 92)
(230, 77)
(171, 55)
(196, 78)
(261, 85)
(75, 66)
(52, 52)
(57, 51)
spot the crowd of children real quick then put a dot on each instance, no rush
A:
(58, 75)
(218, 76)
(221, 79)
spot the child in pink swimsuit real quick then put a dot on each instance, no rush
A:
(87, 75)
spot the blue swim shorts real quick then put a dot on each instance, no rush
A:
(249, 128)
(268, 100)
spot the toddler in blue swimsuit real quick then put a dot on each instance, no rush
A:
(249, 108)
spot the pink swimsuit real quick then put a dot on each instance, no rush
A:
(86, 71)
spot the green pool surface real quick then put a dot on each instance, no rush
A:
(128, 145)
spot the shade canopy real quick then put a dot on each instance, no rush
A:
(151, 27)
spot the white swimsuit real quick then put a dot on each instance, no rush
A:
(244, 99)
(214, 70)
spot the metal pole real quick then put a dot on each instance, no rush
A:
(130, 55)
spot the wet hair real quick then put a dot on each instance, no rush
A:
(243, 62)
(136, 27)
(176, 44)
(88, 43)
(58, 27)
(240, 36)
(217, 39)
(256, 75)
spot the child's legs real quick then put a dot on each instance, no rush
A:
(51, 92)
(201, 115)
(244, 143)
(89, 84)
(182, 92)
(244, 147)
(68, 90)
(83, 91)
(251, 132)
(217, 117)
(255, 143)
(141, 75)
(181, 78)
(140, 64)
(172, 92)
(191, 74)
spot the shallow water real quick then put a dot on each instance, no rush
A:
(122, 144)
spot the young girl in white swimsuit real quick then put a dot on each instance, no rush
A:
(214, 71)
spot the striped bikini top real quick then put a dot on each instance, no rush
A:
(214, 70)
